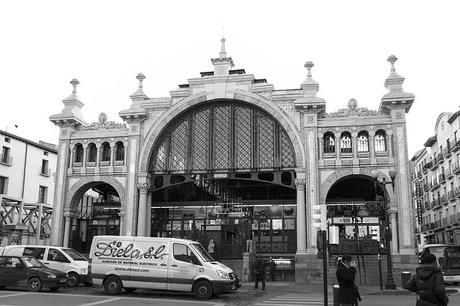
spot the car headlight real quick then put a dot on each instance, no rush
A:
(83, 271)
(222, 274)
(51, 275)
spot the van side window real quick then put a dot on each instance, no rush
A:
(183, 253)
(34, 252)
(56, 255)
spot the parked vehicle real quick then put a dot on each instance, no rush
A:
(59, 258)
(435, 249)
(118, 262)
(20, 271)
(450, 263)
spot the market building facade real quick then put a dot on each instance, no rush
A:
(227, 158)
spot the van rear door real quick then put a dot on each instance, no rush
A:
(149, 267)
(183, 267)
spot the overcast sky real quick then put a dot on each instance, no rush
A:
(104, 44)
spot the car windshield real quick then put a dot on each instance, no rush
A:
(74, 254)
(205, 255)
(31, 262)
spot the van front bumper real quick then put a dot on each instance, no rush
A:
(222, 286)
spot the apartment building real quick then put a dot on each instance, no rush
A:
(436, 183)
(26, 188)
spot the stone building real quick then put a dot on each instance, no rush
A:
(228, 157)
(436, 184)
(26, 189)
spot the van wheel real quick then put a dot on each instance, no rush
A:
(34, 284)
(74, 279)
(130, 290)
(113, 285)
(203, 290)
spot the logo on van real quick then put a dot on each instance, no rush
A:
(115, 249)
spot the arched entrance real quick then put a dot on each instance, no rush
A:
(355, 208)
(224, 170)
(96, 211)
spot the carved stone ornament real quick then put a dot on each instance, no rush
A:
(353, 110)
(103, 124)
(299, 184)
(144, 187)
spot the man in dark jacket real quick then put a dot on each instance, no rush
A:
(428, 283)
(260, 268)
(348, 292)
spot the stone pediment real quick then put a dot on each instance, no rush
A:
(353, 110)
(103, 124)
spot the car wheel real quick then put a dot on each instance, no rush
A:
(130, 290)
(203, 290)
(113, 285)
(74, 279)
(34, 284)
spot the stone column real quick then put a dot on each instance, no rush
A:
(142, 211)
(321, 147)
(68, 219)
(394, 232)
(372, 148)
(301, 217)
(338, 161)
(112, 154)
(390, 144)
(354, 147)
(98, 155)
(72, 151)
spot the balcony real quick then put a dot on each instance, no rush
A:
(445, 222)
(446, 151)
(435, 184)
(6, 160)
(442, 178)
(455, 168)
(434, 164)
(439, 158)
(426, 187)
(454, 147)
(425, 227)
(449, 173)
(453, 219)
(443, 199)
(457, 192)
(451, 195)
(437, 224)
(419, 174)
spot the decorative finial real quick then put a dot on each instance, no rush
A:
(309, 65)
(222, 53)
(392, 59)
(352, 104)
(74, 83)
(140, 77)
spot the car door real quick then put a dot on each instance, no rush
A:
(183, 267)
(15, 272)
(55, 259)
(3, 281)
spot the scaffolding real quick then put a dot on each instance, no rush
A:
(24, 223)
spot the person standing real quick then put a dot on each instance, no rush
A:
(211, 247)
(346, 271)
(272, 265)
(260, 266)
(428, 283)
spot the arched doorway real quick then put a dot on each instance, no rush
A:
(356, 207)
(96, 212)
(224, 170)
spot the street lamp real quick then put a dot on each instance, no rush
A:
(390, 282)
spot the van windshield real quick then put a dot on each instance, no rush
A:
(205, 255)
(75, 255)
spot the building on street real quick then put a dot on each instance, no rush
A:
(230, 158)
(26, 189)
(436, 183)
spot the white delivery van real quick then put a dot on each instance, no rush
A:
(118, 262)
(59, 258)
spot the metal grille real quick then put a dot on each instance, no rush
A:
(243, 138)
(200, 140)
(179, 147)
(266, 142)
(287, 151)
(222, 137)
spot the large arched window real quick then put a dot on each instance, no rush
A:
(222, 136)
(329, 143)
(345, 143)
(380, 141)
(119, 151)
(363, 142)
(92, 153)
(78, 151)
(105, 153)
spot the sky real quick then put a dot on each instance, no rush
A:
(105, 44)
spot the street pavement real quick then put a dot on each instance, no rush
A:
(276, 294)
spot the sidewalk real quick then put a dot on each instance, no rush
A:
(316, 287)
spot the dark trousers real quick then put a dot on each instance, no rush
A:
(262, 279)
